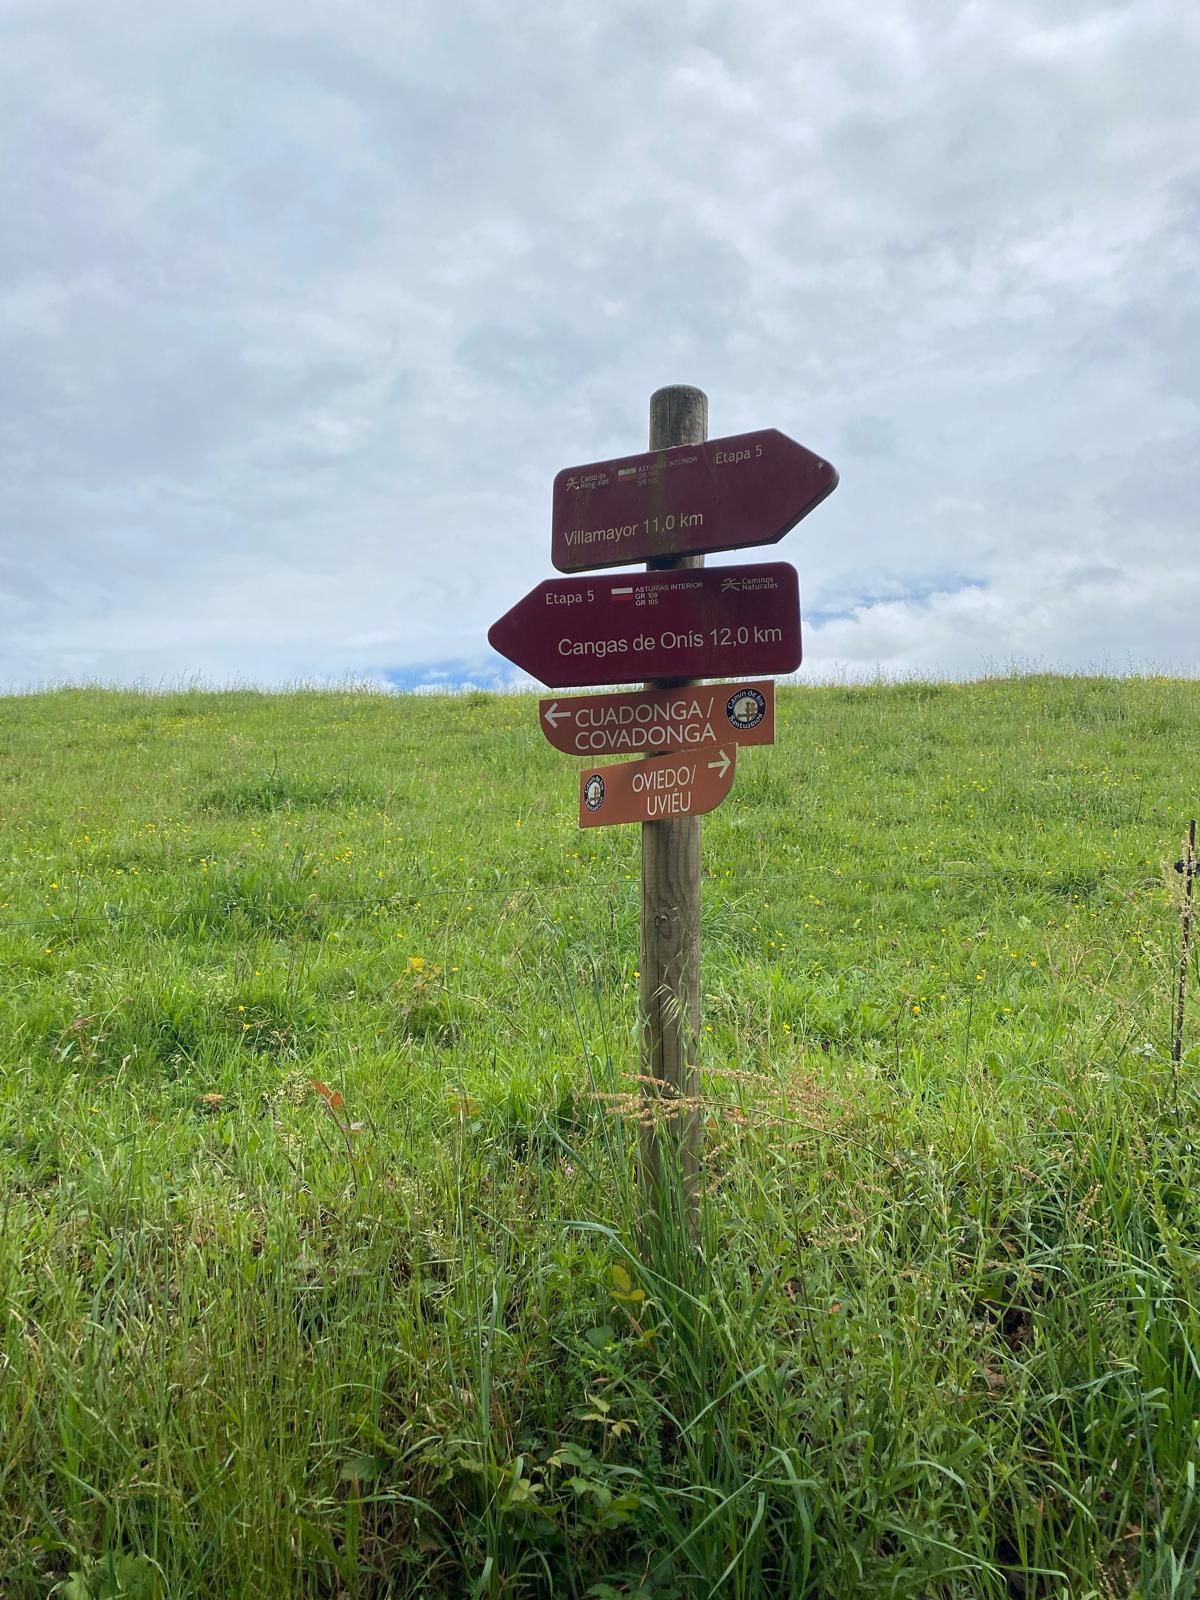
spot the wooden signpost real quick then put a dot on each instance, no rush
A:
(673, 625)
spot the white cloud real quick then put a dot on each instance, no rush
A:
(300, 311)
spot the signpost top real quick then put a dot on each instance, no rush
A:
(724, 494)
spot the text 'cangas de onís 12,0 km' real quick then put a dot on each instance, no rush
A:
(692, 623)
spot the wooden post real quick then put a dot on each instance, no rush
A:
(1188, 867)
(670, 945)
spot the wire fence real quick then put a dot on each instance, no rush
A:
(922, 877)
(287, 908)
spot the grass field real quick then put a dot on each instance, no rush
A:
(318, 1272)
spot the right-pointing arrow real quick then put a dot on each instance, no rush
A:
(656, 789)
(719, 495)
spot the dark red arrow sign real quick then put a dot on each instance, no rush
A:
(698, 622)
(651, 791)
(651, 722)
(721, 495)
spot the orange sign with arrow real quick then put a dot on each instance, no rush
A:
(651, 722)
(658, 788)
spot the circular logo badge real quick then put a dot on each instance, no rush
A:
(746, 708)
(593, 792)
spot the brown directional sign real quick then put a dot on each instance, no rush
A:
(695, 622)
(654, 721)
(745, 490)
(680, 785)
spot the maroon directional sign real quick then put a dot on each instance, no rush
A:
(649, 722)
(699, 622)
(655, 790)
(722, 495)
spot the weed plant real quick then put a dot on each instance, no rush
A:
(319, 1271)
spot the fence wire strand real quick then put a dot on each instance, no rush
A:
(400, 902)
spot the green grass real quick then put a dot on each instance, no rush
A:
(391, 1336)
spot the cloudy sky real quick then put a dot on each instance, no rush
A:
(302, 306)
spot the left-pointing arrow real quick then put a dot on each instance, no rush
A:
(579, 632)
(653, 722)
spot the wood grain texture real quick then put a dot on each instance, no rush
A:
(670, 941)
